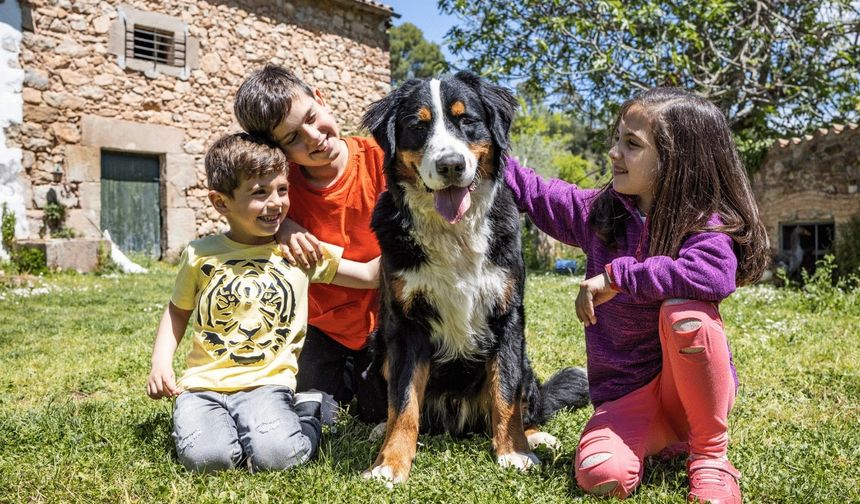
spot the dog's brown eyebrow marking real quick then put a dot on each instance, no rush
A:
(424, 114)
(458, 108)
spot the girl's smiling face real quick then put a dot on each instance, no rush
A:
(634, 157)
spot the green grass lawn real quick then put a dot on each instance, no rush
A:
(76, 426)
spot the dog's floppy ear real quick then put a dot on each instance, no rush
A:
(381, 118)
(499, 105)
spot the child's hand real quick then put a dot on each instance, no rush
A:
(592, 292)
(298, 245)
(162, 382)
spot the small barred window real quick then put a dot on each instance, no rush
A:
(152, 44)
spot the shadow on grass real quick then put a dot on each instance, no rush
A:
(154, 431)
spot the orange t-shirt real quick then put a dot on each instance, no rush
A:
(340, 215)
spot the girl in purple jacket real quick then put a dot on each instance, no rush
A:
(670, 238)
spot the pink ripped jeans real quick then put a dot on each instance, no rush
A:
(688, 402)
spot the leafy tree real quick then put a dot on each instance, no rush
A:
(772, 66)
(413, 56)
(555, 143)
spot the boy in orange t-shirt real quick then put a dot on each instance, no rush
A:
(334, 183)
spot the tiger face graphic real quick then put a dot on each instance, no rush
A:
(245, 310)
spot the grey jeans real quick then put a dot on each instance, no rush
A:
(216, 430)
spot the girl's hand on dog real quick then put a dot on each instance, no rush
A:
(298, 246)
(592, 292)
(162, 382)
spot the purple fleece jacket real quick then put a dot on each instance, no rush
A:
(623, 348)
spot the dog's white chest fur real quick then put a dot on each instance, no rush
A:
(458, 279)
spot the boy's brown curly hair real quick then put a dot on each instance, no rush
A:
(240, 155)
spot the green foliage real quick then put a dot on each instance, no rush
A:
(537, 152)
(23, 260)
(555, 144)
(106, 266)
(412, 56)
(54, 214)
(30, 260)
(824, 291)
(535, 118)
(535, 256)
(848, 248)
(540, 251)
(7, 228)
(575, 169)
(65, 233)
(753, 145)
(773, 67)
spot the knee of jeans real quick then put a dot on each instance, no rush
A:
(276, 455)
(201, 457)
(609, 474)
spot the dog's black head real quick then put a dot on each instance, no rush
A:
(443, 136)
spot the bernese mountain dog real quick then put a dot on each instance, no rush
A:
(450, 342)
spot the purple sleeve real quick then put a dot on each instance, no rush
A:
(704, 270)
(558, 208)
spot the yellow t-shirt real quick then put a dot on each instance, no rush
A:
(251, 312)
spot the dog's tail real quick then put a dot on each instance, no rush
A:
(567, 389)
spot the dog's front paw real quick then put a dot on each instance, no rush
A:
(520, 461)
(385, 474)
(543, 439)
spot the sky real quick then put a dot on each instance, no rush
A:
(425, 15)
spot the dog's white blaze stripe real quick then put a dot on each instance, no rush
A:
(458, 279)
(442, 142)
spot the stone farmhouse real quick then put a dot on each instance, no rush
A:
(807, 189)
(108, 107)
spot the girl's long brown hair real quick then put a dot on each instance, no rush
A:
(699, 173)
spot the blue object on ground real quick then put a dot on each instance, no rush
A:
(565, 266)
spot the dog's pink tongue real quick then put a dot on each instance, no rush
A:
(452, 203)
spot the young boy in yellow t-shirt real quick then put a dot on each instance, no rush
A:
(236, 401)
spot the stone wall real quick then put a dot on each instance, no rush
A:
(811, 179)
(78, 99)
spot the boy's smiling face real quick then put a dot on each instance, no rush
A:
(309, 132)
(256, 208)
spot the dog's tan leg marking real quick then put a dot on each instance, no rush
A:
(508, 294)
(509, 438)
(385, 372)
(394, 461)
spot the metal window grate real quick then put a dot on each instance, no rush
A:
(152, 44)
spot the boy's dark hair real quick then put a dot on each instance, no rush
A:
(699, 173)
(265, 98)
(240, 155)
